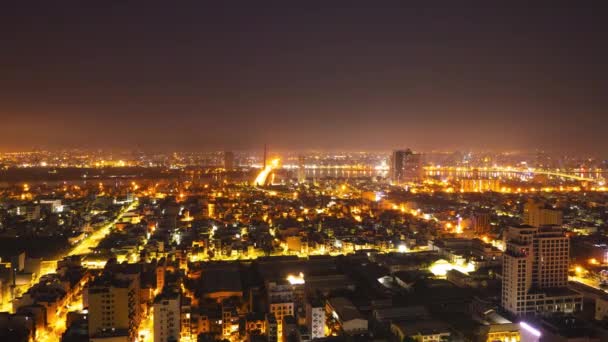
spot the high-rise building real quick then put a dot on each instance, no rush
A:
(228, 161)
(481, 222)
(167, 316)
(535, 272)
(301, 169)
(537, 214)
(406, 166)
(114, 306)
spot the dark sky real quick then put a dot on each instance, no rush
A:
(368, 75)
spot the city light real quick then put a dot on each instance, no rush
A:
(227, 228)
(441, 267)
(262, 177)
(530, 329)
(296, 279)
(417, 186)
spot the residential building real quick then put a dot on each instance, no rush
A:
(113, 306)
(315, 319)
(405, 166)
(348, 317)
(537, 214)
(535, 272)
(167, 316)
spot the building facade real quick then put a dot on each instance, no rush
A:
(481, 222)
(167, 317)
(315, 319)
(535, 272)
(228, 161)
(301, 169)
(405, 166)
(537, 214)
(114, 305)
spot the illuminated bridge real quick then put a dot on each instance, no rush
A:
(262, 177)
(593, 176)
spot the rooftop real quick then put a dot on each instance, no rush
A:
(424, 327)
(345, 309)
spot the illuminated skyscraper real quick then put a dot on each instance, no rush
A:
(301, 169)
(228, 160)
(535, 272)
(406, 166)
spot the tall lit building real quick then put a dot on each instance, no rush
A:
(301, 169)
(114, 306)
(481, 222)
(228, 161)
(535, 272)
(537, 214)
(406, 166)
(167, 314)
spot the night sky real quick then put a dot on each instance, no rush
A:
(379, 75)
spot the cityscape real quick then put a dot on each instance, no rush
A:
(267, 246)
(139, 203)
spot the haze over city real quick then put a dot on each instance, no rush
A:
(249, 171)
(340, 76)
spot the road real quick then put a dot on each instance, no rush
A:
(146, 327)
(591, 282)
(91, 241)
(53, 333)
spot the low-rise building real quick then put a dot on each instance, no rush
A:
(349, 318)
(425, 330)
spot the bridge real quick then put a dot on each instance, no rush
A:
(572, 175)
(262, 177)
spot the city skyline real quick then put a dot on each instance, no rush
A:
(232, 77)
(353, 171)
